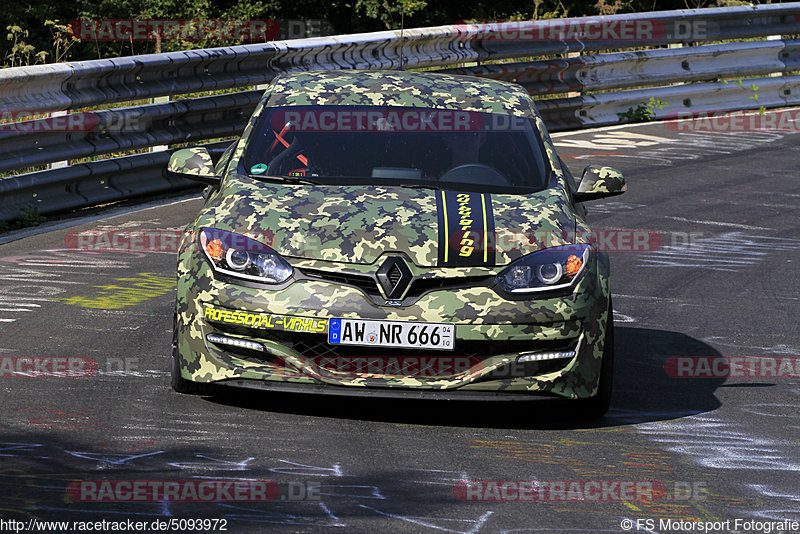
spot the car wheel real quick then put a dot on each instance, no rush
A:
(180, 384)
(597, 405)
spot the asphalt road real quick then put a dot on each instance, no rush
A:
(720, 280)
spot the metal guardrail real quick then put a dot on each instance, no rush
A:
(621, 70)
(93, 183)
(92, 133)
(71, 86)
(79, 84)
(663, 68)
(87, 83)
(682, 100)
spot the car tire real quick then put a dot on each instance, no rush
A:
(597, 405)
(180, 384)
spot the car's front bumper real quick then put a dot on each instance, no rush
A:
(491, 335)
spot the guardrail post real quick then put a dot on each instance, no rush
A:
(59, 164)
(774, 38)
(159, 100)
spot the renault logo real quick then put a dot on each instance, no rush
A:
(394, 276)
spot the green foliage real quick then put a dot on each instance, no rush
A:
(34, 40)
(640, 114)
(389, 14)
(29, 216)
(753, 97)
(605, 8)
(643, 112)
(62, 38)
(558, 11)
(656, 103)
(21, 52)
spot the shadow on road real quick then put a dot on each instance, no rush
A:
(39, 466)
(643, 391)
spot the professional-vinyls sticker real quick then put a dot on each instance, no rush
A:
(466, 229)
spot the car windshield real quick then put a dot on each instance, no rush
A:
(405, 146)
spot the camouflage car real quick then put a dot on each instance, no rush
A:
(396, 234)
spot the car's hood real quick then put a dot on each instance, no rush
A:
(357, 224)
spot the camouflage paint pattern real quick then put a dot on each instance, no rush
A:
(357, 224)
(478, 313)
(605, 181)
(192, 161)
(343, 229)
(407, 89)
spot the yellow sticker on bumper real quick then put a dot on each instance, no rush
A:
(266, 321)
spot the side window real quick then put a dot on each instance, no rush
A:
(224, 159)
(571, 183)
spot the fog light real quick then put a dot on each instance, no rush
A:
(235, 342)
(541, 356)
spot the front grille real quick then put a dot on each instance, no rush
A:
(418, 286)
(364, 282)
(421, 286)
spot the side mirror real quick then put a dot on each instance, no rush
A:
(600, 182)
(195, 164)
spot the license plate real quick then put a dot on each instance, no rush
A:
(391, 334)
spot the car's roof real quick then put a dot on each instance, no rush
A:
(400, 88)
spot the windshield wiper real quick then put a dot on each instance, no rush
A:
(286, 179)
(435, 187)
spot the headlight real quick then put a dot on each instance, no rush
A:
(242, 257)
(551, 268)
